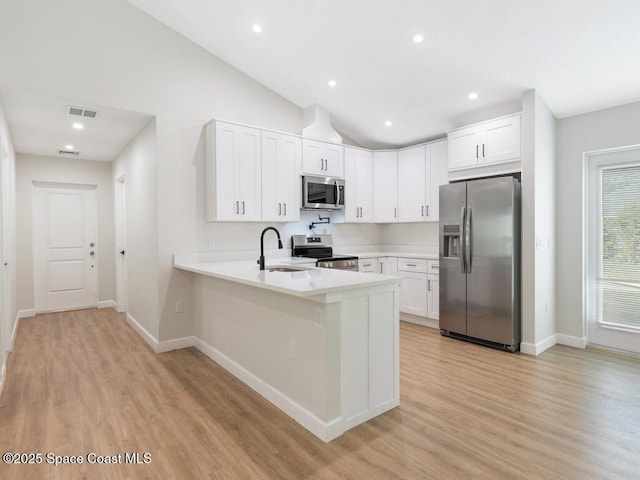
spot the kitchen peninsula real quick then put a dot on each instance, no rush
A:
(320, 344)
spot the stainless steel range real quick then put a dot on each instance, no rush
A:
(320, 248)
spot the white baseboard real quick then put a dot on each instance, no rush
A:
(424, 321)
(570, 341)
(107, 304)
(176, 344)
(324, 431)
(31, 312)
(150, 339)
(558, 338)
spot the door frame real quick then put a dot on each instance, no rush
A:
(121, 243)
(73, 186)
(608, 336)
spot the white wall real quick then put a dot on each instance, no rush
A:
(35, 168)
(8, 296)
(613, 127)
(538, 225)
(138, 164)
(125, 59)
(416, 237)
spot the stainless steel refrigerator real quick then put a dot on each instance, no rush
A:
(480, 261)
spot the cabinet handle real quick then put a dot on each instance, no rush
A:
(428, 285)
(422, 211)
(483, 150)
(395, 212)
(279, 209)
(243, 207)
(237, 207)
(476, 152)
(411, 265)
(285, 209)
(367, 264)
(427, 210)
(360, 212)
(326, 164)
(380, 268)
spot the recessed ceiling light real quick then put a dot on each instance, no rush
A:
(388, 123)
(472, 96)
(78, 126)
(69, 147)
(418, 38)
(332, 83)
(256, 28)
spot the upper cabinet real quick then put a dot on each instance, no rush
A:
(385, 186)
(281, 159)
(494, 141)
(421, 171)
(233, 172)
(322, 158)
(358, 178)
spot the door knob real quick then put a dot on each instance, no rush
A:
(121, 252)
(92, 253)
(92, 244)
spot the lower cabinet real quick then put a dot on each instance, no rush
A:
(413, 287)
(433, 289)
(368, 265)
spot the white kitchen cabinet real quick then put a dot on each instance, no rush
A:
(388, 265)
(322, 158)
(368, 265)
(233, 172)
(281, 158)
(412, 184)
(421, 171)
(433, 290)
(439, 175)
(494, 141)
(358, 177)
(385, 186)
(413, 287)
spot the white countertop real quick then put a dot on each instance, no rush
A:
(426, 256)
(304, 283)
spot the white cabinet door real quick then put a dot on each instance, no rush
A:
(438, 175)
(433, 296)
(413, 293)
(358, 174)
(233, 173)
(501, 140)
(368, 265)
(281, 157)
(464, 147)
(494, 141)
(385, 186)
(412, 184)
(388, 265)
(322, 159)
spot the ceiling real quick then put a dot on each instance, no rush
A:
(41, 125)
(580, 55)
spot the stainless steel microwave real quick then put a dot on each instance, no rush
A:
(326, 193)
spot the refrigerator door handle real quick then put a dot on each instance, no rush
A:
(468, 249)
(463, 216)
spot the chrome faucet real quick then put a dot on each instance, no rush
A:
(261, 259)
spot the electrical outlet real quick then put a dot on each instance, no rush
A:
(212, 244)
(179, 306)
(293, 348)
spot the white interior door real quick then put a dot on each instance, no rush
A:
(64, 246)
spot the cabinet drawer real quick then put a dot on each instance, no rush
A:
(433, 267)
(368, 265)
(412, 265)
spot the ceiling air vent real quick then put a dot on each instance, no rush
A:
(68, 152)
(81, 112)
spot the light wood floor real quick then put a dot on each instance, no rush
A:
(81, 382)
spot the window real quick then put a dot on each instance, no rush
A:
(619, 277)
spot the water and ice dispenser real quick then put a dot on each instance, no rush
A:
(451, 241)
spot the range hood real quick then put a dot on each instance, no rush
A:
(317, 123)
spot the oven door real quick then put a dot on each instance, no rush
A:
(323, 193)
